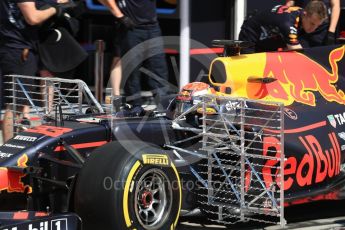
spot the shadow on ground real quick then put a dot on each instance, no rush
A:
(317, 215)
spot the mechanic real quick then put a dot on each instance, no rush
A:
(280, 27)
(138, 19)
(325, 33)
(19, 24)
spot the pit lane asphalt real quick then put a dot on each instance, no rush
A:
(314, 216)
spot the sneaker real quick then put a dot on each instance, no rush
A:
(119, 102)
(25, 121)
(23, 125)
(136, 111)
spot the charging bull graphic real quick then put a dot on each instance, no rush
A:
(285, 77)
(298, 77)
(11, 180)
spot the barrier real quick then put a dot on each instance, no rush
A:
(48, 97)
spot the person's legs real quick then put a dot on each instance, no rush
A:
(1, 90)
(7, 125)
(116, 75)
(12, 61)
(116, 68)
(132, 88)
(132, 56)
(157, 66)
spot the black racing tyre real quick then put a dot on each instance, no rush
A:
(120, 188)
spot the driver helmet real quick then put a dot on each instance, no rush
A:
(190, 95)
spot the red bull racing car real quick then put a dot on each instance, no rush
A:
(265, 132)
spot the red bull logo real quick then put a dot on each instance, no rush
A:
(11, 181)
(299, 77)
(316, 165)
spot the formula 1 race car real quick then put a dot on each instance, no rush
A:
(265, 132)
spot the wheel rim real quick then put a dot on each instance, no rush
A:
(153, 199)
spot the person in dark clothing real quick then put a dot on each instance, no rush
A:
(19, 23)
(140, 27)
(281, 27)
(325, 33)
